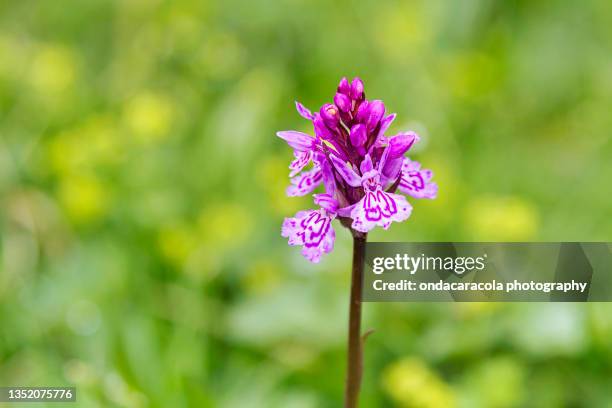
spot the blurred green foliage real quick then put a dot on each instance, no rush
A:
(142, 192)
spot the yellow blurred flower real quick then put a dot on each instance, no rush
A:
(53, 69)
(103, 139)
(411, 383)
(95, 141)
(84, 198)
(149, 117)
(501, 218)
(65, 153)
(470, 310)
(200, 245)
(498, 382)
(177, 242)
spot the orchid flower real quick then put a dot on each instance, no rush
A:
(359, 166)
(312, 228)
(376, 207)
(416, 182)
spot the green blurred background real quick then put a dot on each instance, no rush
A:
(142, 192)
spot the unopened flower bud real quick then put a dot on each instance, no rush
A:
(357, 89)
(343, 102)
(330, 115)
(363, 112)
(321, 129)
(344, 87)
(377, 111)
(401, 143)
(359, 135)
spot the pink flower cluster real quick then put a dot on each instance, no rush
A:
(358, 165)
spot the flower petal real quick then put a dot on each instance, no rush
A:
(344, 87)
(302, 158)
(321, 129)
(305, 183)
(385, 123)
(366, 165)
(303, 111)
(398, 145)
(314, 253)
(379, 208)
(346, 211)
(343, 102)
(297, 140)
(383, 159)
(359, 135)
(346, 171)
(363, 112)
(292, 226)
(357, 88)
(377, 110)
(392, 168)
(313, 230)
(326, 201)
(326, 170)
(401, 143)
(416, 182)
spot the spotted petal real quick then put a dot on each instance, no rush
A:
(292, 227)
(305, 182)
(417, 182)
(366, 165)
(312, 229)
(326, 201)
(302, 158)
(379, 208)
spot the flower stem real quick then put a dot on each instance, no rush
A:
(355, 351)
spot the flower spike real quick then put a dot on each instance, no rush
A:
(358, 165)
(312, 229)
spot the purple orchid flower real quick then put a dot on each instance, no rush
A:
(358, 165)
(312, 228)
(416, 182)
(377, 207)
(303, 149)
